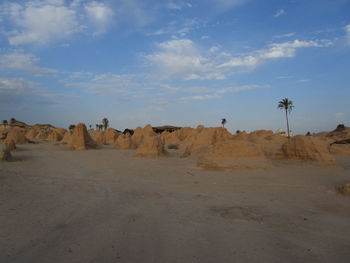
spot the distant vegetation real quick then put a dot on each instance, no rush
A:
(105, 123)
(223, 122)
(340, 127)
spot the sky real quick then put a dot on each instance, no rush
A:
(175, 62)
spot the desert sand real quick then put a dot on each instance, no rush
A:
(217, 198)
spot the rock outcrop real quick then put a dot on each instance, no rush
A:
(151, 146)
(42, 134)
(10, 144)
(55, 136)
(100, 138)
(66, 138)
(5, 154)
(203, 137)
(80, 139)
(123, 142)
(233, 155)
(308, 148)
(17, 135)
(140, 134)
(111, 135)
(31, 133)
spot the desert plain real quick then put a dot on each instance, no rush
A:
(189, 195)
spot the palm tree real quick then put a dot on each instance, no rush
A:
(71, 127)
(286, 105)
(223, 122)
(90, 126)
(4, 122)
(13, 120)
(105, 123)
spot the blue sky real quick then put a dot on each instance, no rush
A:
(176, 62)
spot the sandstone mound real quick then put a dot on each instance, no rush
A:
(151, 146)
(31, 134)
(55, 136)
(308, 148)
(123, 142)
(80, 139)
(10, 144)
(203, 137)
(338, 134)
(111, 135)
(94, 133)
(5, 154)
(60, 131)
(66, 138)
(100, 138)
(241, 136)
(271, 145)
(340, 149)
(260, 134)
(185, 132)
(3, 134)
(170, 137)
(17, 135)
(233, 155)
(140, 134)
(42, 134)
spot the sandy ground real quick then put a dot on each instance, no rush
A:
(103, 206)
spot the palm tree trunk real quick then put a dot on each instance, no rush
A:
(287, 124)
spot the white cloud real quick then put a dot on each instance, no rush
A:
(40, 22)
(226, 4)
(105, 84)
(16, 85)
(285, 35)
(180, 58)
(347, 29)
(303, 80)
(279, 13)
(247, 61)
(288, 49)
(178, 6)
(43, 22)
(174, 6)
(100, 15)
(214, 49)
(219, 93)
(27, 63)
(18, 91)
(242, 88)
(178, 29)
(275, 51)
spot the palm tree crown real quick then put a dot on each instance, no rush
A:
(223, 122)
(286, 104)
(105, 123)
